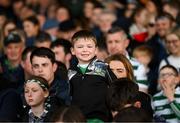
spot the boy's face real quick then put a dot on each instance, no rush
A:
(168, 76)
(43, 67)
(13, 51)
(34, 94)
(143, 58)
(118, 69)
(84, 50)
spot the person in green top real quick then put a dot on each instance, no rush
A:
(166, 103)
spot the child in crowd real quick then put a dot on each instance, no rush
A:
(144, 55)
(35, 92)
(166, 103)
(90, 79)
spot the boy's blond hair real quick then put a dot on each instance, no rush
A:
(84, 34)
(143, 49)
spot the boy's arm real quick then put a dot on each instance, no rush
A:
(169, 92)
(111, 76)
(176, 108)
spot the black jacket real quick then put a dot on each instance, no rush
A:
(89, 90)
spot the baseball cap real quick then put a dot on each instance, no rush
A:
(12, 38)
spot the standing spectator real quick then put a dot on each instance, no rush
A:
(90, 79)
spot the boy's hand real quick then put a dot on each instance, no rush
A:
(168, 91)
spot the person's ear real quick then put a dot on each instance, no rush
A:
(72, 51)
(68, 57)
(55, 67)
(46, 93)
(127, 43)
(22, 64)
(137, 104)
(177, 80)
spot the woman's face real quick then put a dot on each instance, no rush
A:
(173, 44)
(34, 94)
(118, 69)
(30, 28)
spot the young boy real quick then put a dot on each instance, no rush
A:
(89, 80)
(166, 103)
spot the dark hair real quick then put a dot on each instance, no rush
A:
(68, 114)
(67, 25)
(43, 37)
(43, 52)
(145, 101)
(26, 51)
(116, 29)
(85, 34)
(32, 19)
(170, 67)
(121, 92)
(12, 38)
(64, 43)
(164, 15)
(132, 114)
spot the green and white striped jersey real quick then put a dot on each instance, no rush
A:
(139, 73)
(162, 107)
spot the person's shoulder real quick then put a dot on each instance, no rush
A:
(157, 95)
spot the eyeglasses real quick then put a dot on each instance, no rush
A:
(166, 75)
(151, 24)
(172, 41)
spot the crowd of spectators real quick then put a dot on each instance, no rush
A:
(126, 51)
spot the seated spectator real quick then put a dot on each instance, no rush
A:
(120, 66)
(10, 66)
(172, 43)
(43, 40)
(10, 102)
(68, 114)
(51, 27)
(62, 50)
(132, 114)
(36, 92)
(26, 63)
(166, 102)
(122, 93)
